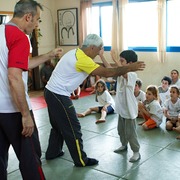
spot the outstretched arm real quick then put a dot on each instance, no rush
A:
(37, 60)
(114, 72)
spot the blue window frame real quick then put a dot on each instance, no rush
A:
(101, 19)
(170, 47)
(142, 29)
(173, 26)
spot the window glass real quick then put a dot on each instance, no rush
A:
(95, 20)
(106, 25)
(142, 24)
(173, 23)
(102, 22)
(5, 18)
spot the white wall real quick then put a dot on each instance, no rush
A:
(151, 75)
(47, 27)
(7, 5)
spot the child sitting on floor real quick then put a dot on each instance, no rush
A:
(150, 109)
(164, 92)
(139, 94)
(172, 108)
(177, 129)
(105, 99)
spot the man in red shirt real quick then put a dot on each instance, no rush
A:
(17, 125)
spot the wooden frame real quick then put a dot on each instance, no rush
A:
(68, 27)
(4, 15)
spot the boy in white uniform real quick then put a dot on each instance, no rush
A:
(127, 108)
(164, 91)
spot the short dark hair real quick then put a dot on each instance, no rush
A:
(129, 55)
(166, 78)
(23, 7)
(139, 83)
(175, 71)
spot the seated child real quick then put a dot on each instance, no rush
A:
(139, 94)
(172, 108)
(175, 78)
(177, 129)
(105, 99)
(110, 81)
(150, 109)
(164, 92)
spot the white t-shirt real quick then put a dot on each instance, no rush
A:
(125, 101)
(177, 83)
(173, 109)
(70, 72)
(106, 98)
(163, 95)
(156, 111)
(141, 96)
(7, 104)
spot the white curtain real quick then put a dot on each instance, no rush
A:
(119, 40)
(85, 19)
(161, 47)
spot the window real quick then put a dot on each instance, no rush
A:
(142, 25)
(173, 25)
(4, 18)
(102, 22)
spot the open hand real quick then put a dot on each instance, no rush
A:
(56, 53)
(137, 66)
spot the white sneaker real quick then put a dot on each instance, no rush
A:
(136, 156)
(120, 149)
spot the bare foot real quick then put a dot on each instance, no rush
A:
(80, 115)
(100, 121)
(76, 97)
(176, 129)
(141, 123)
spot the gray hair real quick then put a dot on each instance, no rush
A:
(26, 6)
(92, 40)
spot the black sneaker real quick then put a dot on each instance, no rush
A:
(91, 162)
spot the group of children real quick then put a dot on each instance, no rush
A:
(131, 102)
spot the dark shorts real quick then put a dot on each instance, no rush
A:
(174, 124)
(110, 110)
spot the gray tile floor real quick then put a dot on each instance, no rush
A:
(160, 151)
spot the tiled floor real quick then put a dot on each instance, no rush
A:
(160, 151)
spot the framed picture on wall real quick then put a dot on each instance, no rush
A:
(68, 27)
